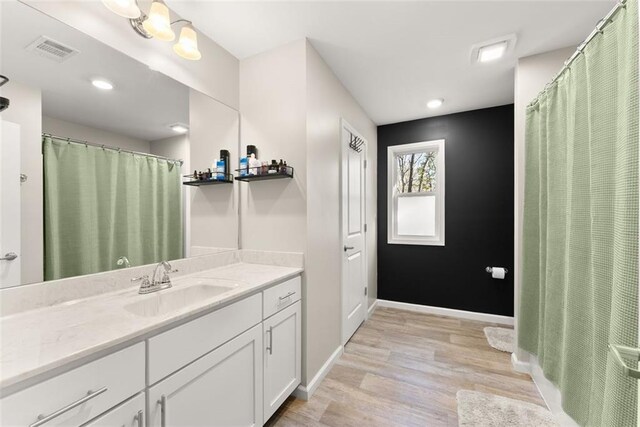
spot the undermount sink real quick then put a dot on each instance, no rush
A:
(163, 302)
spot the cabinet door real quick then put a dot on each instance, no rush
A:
(221, 389)
(129, 414)
(282, 357)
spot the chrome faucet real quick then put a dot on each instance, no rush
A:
(147, 287)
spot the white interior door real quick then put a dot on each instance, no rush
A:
(9, 204)
(354, 283)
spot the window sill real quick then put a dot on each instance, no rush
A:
(420, 242)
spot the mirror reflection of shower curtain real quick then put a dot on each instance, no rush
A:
(101, 204)
(580, 241)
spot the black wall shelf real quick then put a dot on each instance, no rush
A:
(287, 172)
(228, 179)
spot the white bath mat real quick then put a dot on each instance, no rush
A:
(477, 409)
(500, 338)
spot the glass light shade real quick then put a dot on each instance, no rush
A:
(187, 46)
(158, 23)
(125, 8)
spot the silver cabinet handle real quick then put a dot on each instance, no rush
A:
(270, 346)
(347, 248)
(631, 353)
(139, 418)
(42, 419)
(9, 256)
(287, 295)
(163, 410)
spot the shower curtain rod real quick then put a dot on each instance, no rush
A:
(598, 30)
(107, 147)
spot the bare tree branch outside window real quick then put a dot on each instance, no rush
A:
(416, 172)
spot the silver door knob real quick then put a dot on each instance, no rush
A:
(346, 248)
(9, 256)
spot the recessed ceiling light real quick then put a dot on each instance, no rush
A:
(102, 84)
(435, 103)
(179, 128)
(492, 52)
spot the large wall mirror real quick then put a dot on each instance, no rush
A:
(95, 149)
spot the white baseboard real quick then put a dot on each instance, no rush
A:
(520, 365)
(372, 308)
(449, 312)
(305, 392)
(550, 394)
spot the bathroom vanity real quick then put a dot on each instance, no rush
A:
(220, 348)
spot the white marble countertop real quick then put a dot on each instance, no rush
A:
(41, 340)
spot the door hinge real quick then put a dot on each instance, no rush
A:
(365, 291)
(365, 164)
(365, 228)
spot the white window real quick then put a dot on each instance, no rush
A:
(415, 198)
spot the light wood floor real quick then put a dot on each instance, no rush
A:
(404, 369)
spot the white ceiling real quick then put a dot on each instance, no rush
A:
(142, 105)
(393, 55)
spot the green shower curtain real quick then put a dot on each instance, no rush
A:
(580, 243)
(101, 204)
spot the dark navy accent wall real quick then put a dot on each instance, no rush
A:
(478, 213)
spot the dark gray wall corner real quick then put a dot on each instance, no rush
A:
(478, 214)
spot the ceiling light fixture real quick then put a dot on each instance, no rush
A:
(102, 84)
(492, 52)
(158, 25)
(435, 103)
(125, 8)
(179, 128)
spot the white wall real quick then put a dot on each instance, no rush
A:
(98, 136)
(26, 110)
(174, 147)
(216, 74)
(291, 105)
(213, 208)
(532, 74)
(328, 101)
(273, 103)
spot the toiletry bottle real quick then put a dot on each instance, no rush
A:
(225, 155)
(220, 170)
(281, 167)
(265, 168)
(253, 164)
(244, 163)
(273, 168)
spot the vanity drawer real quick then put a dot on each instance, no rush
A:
(128, 414)
(179, 346)
(281, 296)
(86, 392)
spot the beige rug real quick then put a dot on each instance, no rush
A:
(477, 409)
(500, 338)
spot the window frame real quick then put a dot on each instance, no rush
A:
(438, 146)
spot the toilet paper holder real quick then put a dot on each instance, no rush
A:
(490, 270)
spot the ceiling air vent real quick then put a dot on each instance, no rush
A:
(49, 48)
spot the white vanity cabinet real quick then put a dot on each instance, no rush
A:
(281, 357)
(231, 367)
(223, 388)
(79, 395)
(129, 414)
